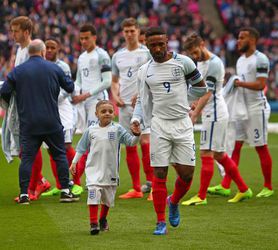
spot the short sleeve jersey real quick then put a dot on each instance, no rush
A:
(90, 66)
(125, 65)
(213, 73)
(167, 83)
(102, 165)
(249, 69)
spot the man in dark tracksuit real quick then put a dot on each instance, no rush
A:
(37, 85)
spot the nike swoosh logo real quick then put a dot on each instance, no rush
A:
(149, 75)
(192, 159)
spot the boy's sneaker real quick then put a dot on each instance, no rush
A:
(160, 229)
(23, 200)
(103, 224)
(68, 197)
(174, 213)
(146, 188)
(94, 229)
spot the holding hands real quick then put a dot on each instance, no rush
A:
(135, 128)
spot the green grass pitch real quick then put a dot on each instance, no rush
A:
(47, 224)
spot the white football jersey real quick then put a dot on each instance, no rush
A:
(249, 69)
(164, 87)
(89, 68)
(22, 55)
(213, 73)
(125, 65)
(64, 105)
(103, 143)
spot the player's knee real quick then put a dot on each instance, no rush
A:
(160, 173)
(187, 178)
(218, 156)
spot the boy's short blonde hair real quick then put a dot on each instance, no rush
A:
(102, 102)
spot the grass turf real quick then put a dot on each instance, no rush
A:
(48, 224)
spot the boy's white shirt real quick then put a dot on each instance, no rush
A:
(103, 143)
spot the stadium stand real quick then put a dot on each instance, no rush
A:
(62, 18)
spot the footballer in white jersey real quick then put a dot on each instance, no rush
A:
(214, 120)
(125, 65)
(164, 85)
(214, 113)
(252, 70)
(93, 74)
(90, 67)
(249, 69)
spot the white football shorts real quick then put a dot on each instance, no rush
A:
(172, 141)
(213, 135)
(101, 195)
(254, 130)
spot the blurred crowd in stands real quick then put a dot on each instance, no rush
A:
(62, 19)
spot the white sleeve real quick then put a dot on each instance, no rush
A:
(84, 143)
(126, 138)
(77, 83)
(262, 66)
(104, 84)
(138, 112)
(147, 104)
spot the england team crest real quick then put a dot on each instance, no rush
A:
(92, 193)
(112, 136)
(176, 72)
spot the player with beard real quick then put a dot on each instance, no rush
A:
(252, 68)
(215, 117)
(164, 84)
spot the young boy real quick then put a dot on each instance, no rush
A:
(103, 140)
